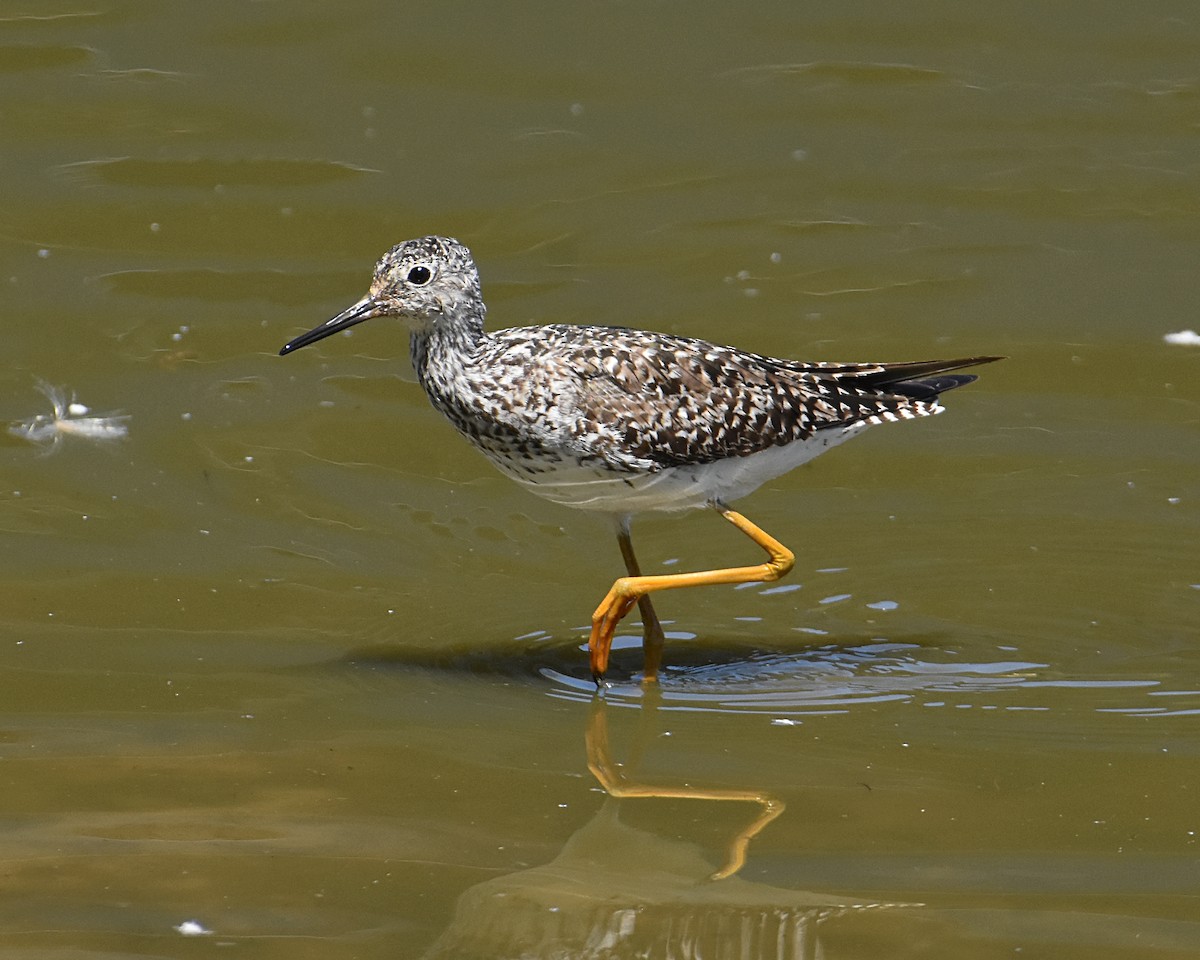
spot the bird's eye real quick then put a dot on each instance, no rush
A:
(419, 276)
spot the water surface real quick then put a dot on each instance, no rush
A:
(293, 662)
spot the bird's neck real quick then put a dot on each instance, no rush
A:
(441, 351)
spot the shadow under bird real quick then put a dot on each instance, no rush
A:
(621, 421)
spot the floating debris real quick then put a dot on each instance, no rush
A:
(192, 928)
(1184, 338)
(69, 418)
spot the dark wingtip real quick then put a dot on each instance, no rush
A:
(929, 387)
(924, 380)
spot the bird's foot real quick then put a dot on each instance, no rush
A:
(618, 602)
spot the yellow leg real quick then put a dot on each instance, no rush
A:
(629, 590)
(652, 631)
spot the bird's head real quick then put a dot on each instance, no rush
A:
(429, 283)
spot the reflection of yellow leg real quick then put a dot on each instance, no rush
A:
(652, 631)
(633, 589)
(616, 784)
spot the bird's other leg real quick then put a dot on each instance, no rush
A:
(629, 590)
(652, 631)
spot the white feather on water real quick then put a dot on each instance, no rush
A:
(68, 417)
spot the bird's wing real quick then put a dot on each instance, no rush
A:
(669, 401)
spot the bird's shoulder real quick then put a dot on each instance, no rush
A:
(633, 360)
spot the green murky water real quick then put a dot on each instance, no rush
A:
(292, 662)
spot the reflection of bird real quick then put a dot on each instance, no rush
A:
(621, 420)
(618, 890)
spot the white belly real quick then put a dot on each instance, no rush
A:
(679, 488)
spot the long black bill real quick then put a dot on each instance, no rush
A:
(365, 309)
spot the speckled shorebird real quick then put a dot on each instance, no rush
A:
(621, 421)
